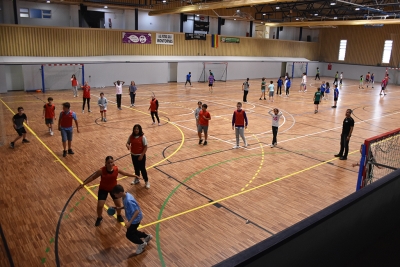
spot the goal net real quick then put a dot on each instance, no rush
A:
(394, 75)
(58, 76)
(296, 69)
(218, 69)
(380, 156)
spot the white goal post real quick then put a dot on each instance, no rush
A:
(296, 69)
(58, 76)
(218, 69)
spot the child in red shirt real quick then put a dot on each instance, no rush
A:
(49, 114)
(154, 109)
(204, 117)
(86, 97)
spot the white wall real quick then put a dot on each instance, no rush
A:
(353, 71)
(117, 19)
(142, 73)
(14, 77)
(236, 28)
(74, 16)
(292, 34)
(3, 79)
(236, 70)
(32, 76)
(129, 16)
(60, 14)
(166, 23)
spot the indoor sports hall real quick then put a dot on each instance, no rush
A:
(205, 203)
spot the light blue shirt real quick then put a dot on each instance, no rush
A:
(131, 206)
(271, 87)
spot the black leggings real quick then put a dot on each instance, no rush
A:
(132, 98)
(140, 166)
(275, 133)
(245, 95)
(84, 102)
(134, 235)
(287, 90)
(279, 89)
(119, 100)
(155, 113)
(188, 81)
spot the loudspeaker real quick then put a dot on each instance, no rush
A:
(184, 17)
(308, 38)
(280, 29)
(222, 21)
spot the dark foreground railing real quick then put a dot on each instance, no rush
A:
(334, 236)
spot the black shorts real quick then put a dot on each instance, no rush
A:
(316, 102)
(48, 121)
(322, 93)
(103, 194)
(335, 99)
(21, 131)
(210, 84)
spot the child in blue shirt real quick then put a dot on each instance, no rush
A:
(322, 87)
(188, 79)
(335, 96)
(134, 216)
(288, 84)
(279, 86)
(327, 90)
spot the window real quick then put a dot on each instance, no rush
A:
(24, 13)
(387, 51)
(34, 13)
(342, 49)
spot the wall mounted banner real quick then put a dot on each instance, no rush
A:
(164, 38)
(195, 36)
(136, 38)
(201, 26)
(230, 40)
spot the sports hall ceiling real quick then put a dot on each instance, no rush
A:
(276, 12)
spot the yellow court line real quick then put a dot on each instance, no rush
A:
(51, 152)
(240, 193)
(161, 161)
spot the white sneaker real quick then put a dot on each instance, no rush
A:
(148, 238)
(153, 123)
(271, 146)
(136, 181)
(90, 110)
(159, 124)
(148, 185)
(237, 146)
(83, 111)
(245, 145)
(105, 120)
(51, 133)
(141, 248)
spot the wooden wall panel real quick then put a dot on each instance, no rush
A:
(364, 45)
(78, 42)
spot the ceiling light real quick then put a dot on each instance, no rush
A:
(234, 19)
(357, 8)
(238, 11)
(277, 7)
(48, 2)
(197, 15)
(334, 17)
(316, 14)
(297, 18)
(264, 14)
(164, 1)
(105, 6)
(333, 3)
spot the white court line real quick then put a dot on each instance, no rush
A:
(306, 135)
(196, 132)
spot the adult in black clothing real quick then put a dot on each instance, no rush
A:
(347, 130)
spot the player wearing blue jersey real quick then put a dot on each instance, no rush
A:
(335, 96)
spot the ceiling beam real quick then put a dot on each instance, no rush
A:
(214, 5)
(333, 23)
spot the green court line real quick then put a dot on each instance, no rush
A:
(173, 192)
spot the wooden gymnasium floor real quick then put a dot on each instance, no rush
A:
(200, 196)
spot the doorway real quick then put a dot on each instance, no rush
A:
(173, 72)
